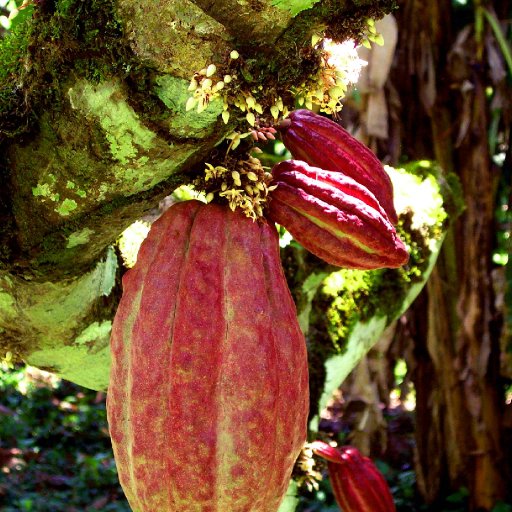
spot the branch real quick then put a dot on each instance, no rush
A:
(95, 130)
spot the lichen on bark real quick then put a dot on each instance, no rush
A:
(62, 327)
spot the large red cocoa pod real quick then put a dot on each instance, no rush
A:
(357, 484)
(323, 143)
(208, 395)
(334, 217)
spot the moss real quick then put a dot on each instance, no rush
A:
(72, 186)
(350, 296)
(74, 180)
(66, 207)
(69, 302)
(54, 310)
(13, 110)
(123, 128)
(82, 38)
(56, 193)
(127, 137)
(7, 305)
(79, 238)
(45, 190)
(350, 312)
(108, 278)
(93, 332)
(352, 308)
(174, 94)
(308, 291)
(190, 40)
(78, 363)
(55, 252)
(352, 23)
(294, 6)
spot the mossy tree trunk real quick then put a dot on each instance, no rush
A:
(94, 130)
(447, 61)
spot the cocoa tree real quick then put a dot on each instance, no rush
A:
(94, 131)
(97, 125)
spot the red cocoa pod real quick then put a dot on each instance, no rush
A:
(208, 395)
(334, 217)
(357, 484)
(323, 143)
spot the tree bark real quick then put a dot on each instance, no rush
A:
(94, 131)
(460, 394)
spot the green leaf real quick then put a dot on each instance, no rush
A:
(291, 500)
(294, 6)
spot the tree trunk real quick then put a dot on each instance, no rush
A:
(460, 396)
(94, 130)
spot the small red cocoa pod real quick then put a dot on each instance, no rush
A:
(208, 397)
(334, 217)
(323, 143)
(357, 484)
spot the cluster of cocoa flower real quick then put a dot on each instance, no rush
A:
(340, 67)
(207, 84)
(245, 185)
(210, 83)
(334, 197)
